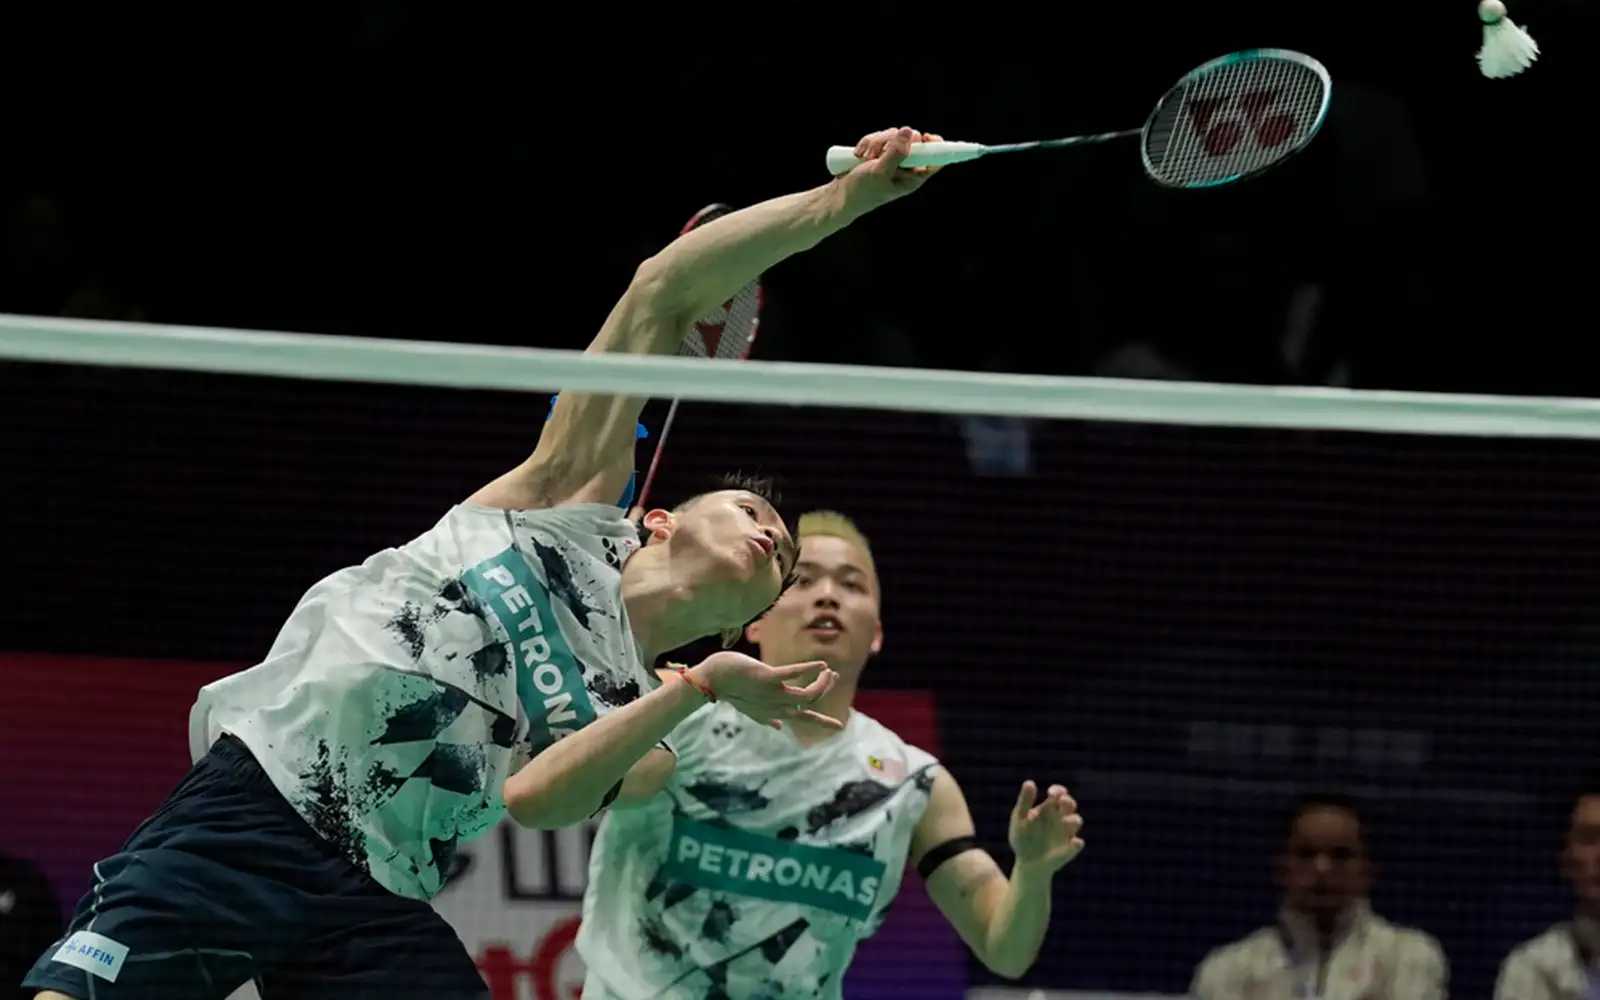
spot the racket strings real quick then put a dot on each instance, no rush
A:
(729, 331)
(1233, 120)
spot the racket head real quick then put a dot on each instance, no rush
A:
(729, 331)
(1235, 117)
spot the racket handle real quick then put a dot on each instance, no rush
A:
(843, 159)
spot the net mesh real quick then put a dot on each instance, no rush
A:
(1188, 625)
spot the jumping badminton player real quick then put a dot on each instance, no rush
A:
(495, 663)
(771, 854)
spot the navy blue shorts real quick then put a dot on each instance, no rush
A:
(226, 884)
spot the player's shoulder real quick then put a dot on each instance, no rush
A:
(606, 515)
(879, 740)
(467, 512)
(595, 518)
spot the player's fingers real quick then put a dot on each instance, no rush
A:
(792, 670)
(897, 148)
(795, 694)
(871, 144)
(826, 720)
(874, 143)
(811, 692)
(1025, 797)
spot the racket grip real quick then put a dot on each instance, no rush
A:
(842, 159)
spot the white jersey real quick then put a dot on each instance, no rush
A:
(1563, 963)
(401, 693)
(1369, 959)
(759, 868)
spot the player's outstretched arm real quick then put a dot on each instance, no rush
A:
(579, 774)
(585, 452)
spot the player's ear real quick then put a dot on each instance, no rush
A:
(660, 523)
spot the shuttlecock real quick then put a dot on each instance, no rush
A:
(1507, 49)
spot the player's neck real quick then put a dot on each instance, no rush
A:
(662, 610)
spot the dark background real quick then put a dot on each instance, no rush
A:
(485, 175)
(1187, 625)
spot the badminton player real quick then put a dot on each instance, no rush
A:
(497, 662)
(770, 854)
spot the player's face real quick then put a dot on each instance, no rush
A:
(1324, 866)
(829, 613)
(738, 551)
(1580, 860)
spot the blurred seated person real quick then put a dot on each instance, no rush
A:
(1563, 963)
(1326, 942)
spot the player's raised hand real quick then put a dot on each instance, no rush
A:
(765, 693)
(880, 178)
(1045, 835)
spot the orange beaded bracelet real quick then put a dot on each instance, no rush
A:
(682, 672)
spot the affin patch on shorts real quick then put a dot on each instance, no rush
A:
(93, 953)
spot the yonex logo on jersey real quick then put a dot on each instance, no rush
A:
(93, 953)
(729, 860)
(549, 679)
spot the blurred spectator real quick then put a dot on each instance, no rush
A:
(37, 270)
(1327, 943)
(96, 297)
(30, 919)
(1563, 963)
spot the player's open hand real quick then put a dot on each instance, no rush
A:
(1045, 836)
(764, 693)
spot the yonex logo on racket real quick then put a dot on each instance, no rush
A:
(1222, 135)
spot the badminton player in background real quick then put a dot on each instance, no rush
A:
(771, 855)
(497, 662)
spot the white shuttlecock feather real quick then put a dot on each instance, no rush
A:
(1507, 49)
